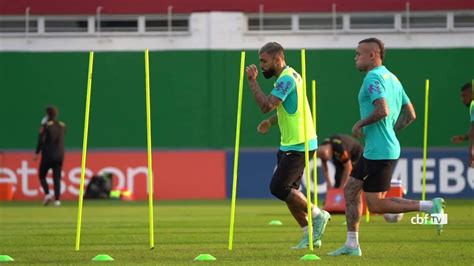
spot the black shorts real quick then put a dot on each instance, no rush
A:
(376, 174)
(287, 176)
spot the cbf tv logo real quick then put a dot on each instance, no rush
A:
(435, 218)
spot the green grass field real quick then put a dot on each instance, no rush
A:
(33, 234)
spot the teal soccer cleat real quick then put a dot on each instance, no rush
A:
(345, 250)
(319, 224)
(438, 207)
(304, 243)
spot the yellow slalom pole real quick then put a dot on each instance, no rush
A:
(84, 150)
(425, 138)
(315, 156)
(306, 151)
(236, 150)
(149, 150)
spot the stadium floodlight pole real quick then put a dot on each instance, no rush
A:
(236, 150)
(84, 150)
(315, 155)
(425, 138)
(149, 149)
(306, 151)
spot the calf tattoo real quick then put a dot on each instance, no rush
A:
(352, 193)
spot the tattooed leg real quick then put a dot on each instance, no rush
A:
(352, 193)
(297, 204)
(378, 204)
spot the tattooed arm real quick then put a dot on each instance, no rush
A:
(407, 116)
(266, 103)
(381, 111)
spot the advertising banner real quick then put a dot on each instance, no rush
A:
(177, 174)
(447, 174)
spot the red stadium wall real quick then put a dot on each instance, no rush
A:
(177, 175)
(80, 7)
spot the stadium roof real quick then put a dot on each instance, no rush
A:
(80, 7)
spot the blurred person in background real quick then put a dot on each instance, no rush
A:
(344, 151)
(51, 146)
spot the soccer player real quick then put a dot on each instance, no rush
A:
(471, 134)
(384, 109)
(51, 146)
(466, 98)
(288, 99)
(344, 151)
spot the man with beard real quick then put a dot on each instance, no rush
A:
(288, 99)
(466, 98)
(384, 109)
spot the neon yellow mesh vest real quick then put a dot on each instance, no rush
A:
(291, 125)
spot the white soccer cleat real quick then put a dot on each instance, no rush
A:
(47, 199)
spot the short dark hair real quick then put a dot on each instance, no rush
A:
(378, 42)
(467, 86)
(272, 48)
(51, 112)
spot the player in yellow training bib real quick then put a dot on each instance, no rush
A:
(288, 100)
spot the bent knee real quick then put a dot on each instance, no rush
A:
(279, 191)
(352, 190)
